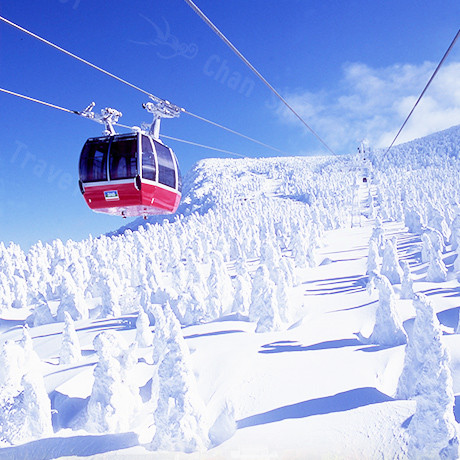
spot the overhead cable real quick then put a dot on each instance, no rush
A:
(203, 146)
(121, 80)
(216, 149)
(75, 112)
(232, 131)
(22, 96)
(47, 42)
(424, 89)
(215, 29)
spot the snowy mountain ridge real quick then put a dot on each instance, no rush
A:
(214, 182)
(436, 148)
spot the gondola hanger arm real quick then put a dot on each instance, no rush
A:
(108, 117)
(160, 109)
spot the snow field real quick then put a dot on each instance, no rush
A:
(277, 353)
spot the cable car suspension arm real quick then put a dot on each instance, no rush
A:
(160, 109)
(108, 117)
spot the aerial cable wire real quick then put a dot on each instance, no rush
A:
(62, 50)
(424, 89)
(204, 146)
(216, 149)
(232, 131)
(39, 101)
(75, 112)
(215, 29)
(121, 80)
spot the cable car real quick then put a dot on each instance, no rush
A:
(131, 174)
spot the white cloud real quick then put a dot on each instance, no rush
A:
(372, 103)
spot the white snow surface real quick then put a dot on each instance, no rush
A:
(264, 269)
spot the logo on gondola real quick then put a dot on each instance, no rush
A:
(111, 195)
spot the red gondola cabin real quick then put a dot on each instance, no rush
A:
(129, 175)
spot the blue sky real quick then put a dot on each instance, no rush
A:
(352, 69)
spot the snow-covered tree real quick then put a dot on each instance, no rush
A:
(41, 314)
(378, 235)
(223, 247)
(455, 231)
(388, 330)
(242, 292)
(110, 294)
(78, 270)
(299, 246)
(144, 336)
(436, 220)
(437, 271)
(436, 238)
(70, 347)
(373, 258)
(179, 277)
(180, 414)
(19, 291)
(270, 253)
(288, 267)
(264, 303)
(72, 300)
(390, 263)
(192, 308)
(311, 255)
(32, 360)
(6, 294)
(424, 340)
(427, 248)
(114, 401)
(269, 319)
(407, 284)
(457, 263)
(219, 288)
(372, 211)
(260, 279)
(25, 409)
(12, 359)
(413, 220)
(426, 377)
(282, 294)
(36, 407)
(12, 370)
(162, 315)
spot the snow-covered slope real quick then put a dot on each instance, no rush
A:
(272, 333)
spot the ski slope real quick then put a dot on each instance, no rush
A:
(309, 388)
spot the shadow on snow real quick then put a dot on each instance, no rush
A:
(445, 292)
(449, 317)
(346, 284)
(355, 307)
(340, 402)
(66, 409)
(457, 408)
(286, 346)
(208, 334)
(81, 446)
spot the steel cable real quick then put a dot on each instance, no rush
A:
(215, 29)
(121, 80)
